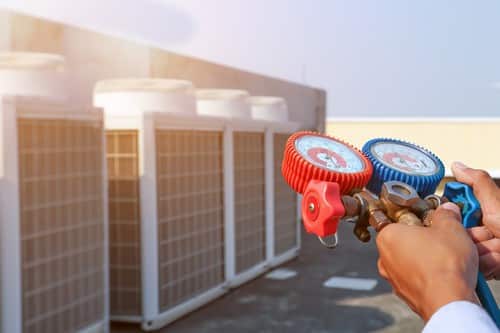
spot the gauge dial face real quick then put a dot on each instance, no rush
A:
(329, 154)
(404, 158)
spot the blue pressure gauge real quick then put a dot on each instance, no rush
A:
(402, 161)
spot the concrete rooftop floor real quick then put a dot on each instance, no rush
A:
(302, 303)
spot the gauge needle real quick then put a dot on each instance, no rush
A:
(401, 160)
(331, 160)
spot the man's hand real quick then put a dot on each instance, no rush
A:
(486, 237)
(429, 267)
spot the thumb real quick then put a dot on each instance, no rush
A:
(485, 189)
(446, 214)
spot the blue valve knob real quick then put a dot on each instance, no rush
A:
(463, 196)
(405, 162)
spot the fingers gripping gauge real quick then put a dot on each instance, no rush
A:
(463, 195)
(402, 161)
(322, 168)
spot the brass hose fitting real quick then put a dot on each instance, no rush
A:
(361, 228)
(351, 205)
(377, 217)
(398, 203)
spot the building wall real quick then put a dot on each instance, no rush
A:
(475, 142)
(93, 56)
(4, 30)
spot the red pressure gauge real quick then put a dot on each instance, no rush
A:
(322, 168)
(313, 156)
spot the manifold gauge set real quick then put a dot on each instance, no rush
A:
(387, 181)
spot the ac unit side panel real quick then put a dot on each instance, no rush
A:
(285, 203)
(249, 182)
(124, 223)
(62, 245)
(190, 214)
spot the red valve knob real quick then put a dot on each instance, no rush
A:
(310, 155)
(322, 208)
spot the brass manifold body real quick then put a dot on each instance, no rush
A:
(397, 203)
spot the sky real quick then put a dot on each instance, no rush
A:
(375, 58)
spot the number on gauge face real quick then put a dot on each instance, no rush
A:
(404, 158)
(329, 154)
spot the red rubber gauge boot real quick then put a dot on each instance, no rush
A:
(322, 168)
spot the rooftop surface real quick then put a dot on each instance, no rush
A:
(302, 304)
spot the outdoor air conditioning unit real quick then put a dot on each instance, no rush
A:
(283, 209)
(166, 200)
(245, 182)
(53, 211)
(189, 213)
(251, 162)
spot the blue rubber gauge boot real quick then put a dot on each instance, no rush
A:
(405, 162)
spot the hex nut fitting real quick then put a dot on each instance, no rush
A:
(399, 193)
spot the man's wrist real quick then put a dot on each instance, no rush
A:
(449, 292)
